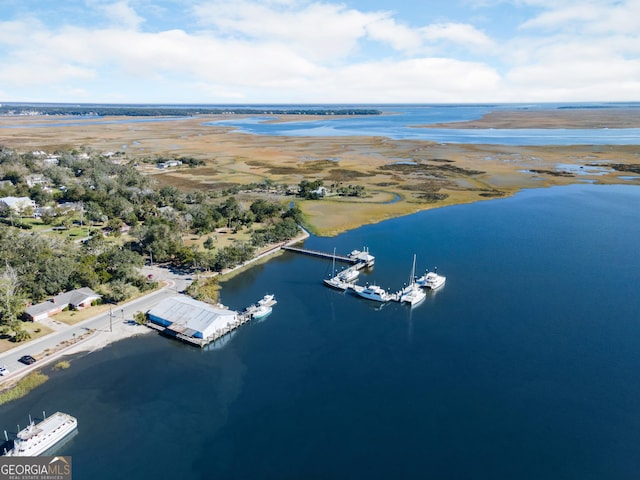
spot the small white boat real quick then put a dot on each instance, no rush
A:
(375, 293)
(349, 275)
(336, 283)
(431, 280)
(268, 300)
(261, 311)
(412, 293)
(263, 307)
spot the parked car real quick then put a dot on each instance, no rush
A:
(3, 370)
(27, 359)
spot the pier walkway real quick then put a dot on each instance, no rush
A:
(357, 258)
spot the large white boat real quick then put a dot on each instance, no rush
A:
(431, 280)
(412, 293)
(39, 438)
(375, 293)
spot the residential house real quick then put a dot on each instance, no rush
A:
(17, 204)
(36, 179)
(76, 299)
(169, 163)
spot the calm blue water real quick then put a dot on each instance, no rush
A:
(525, 365)
(401, 122)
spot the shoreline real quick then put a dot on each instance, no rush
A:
(420, 174)
(97, 339)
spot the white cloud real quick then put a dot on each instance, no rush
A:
(320, 31)
(121, 14)
(458, 33)
(595, 16)
(386, 30)
(296, 50)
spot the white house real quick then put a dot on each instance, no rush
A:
(35, 179)
(17, 204)
(169, 163)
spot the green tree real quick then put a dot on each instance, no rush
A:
(12, 301)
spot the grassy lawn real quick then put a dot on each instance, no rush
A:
(71, 317)
(35, 329)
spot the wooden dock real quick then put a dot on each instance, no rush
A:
(317, 253)
(356, 258)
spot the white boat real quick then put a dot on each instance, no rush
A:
(342, 280)
(431, 280)
(375, 293)
(39, 438)
(335, 282)
(268, 300)
(412, 293)
(264, 306)
(262, 311)
(349, 275)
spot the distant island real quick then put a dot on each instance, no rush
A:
(172, 111)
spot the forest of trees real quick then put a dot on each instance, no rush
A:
(186, 110)
(109, 195)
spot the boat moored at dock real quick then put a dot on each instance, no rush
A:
(375, 293)
(343, 279)
(412, 293)
(38, 438)
(431, 280)
(263, 307)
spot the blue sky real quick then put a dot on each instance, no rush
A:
(305, 51)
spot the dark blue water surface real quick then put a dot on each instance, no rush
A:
(524, 366)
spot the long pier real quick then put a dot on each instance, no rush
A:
(317, 253)
(359, 259)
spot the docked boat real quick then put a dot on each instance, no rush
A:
(39, 438)
(264, 307)
(431, 280)
(349, 275)
(412, 293)
(375, 293)
(335, 282)
(342, 280)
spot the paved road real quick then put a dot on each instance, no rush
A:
(176, 282)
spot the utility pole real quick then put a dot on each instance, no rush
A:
(110, 322)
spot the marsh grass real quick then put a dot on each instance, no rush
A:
(23, 387)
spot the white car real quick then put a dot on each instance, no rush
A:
(3, 371)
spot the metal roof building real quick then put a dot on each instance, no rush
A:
(184, 315)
